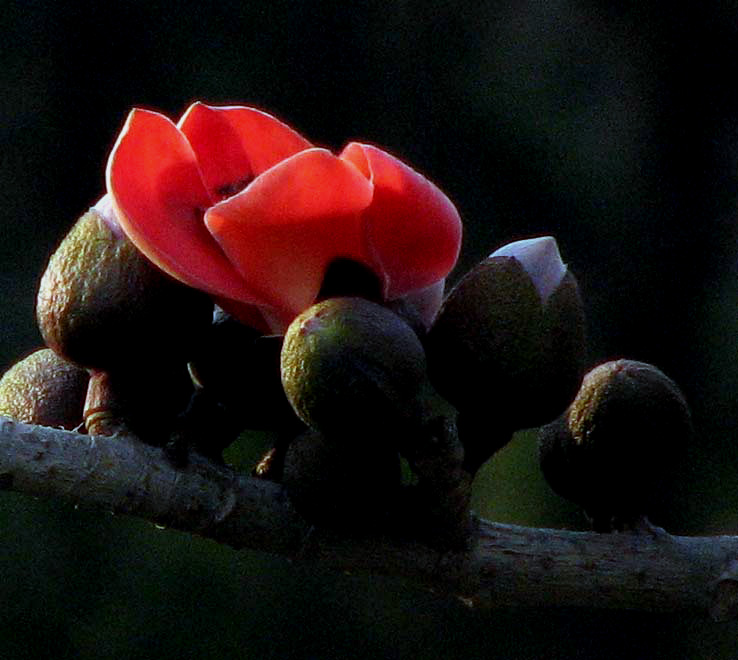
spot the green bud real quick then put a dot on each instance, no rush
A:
(44, 389)
(348, 363)
(356, 372)
(610, 451)
(508, 343)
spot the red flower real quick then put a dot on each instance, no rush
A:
(234, 202)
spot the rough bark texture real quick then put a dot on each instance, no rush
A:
(504, 565)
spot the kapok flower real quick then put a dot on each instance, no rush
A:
(234, 202)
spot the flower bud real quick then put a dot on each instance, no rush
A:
(103, 305)
(44, 389)
(508, 343)
(610, 451)
(341, 485)
(144, 404)
(348, 363)
(419, 308)
(240, 368)
(356, 372)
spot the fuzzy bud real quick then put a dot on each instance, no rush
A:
(508, 344)
(44, 389)
(356, 372)
(349, 363)
(103, 305)
(610, 451)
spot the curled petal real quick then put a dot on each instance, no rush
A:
(412, 229)
(426, 302)
(541, 259)
(234, 144)
(154, 181)
(104, 208)
(283, 230)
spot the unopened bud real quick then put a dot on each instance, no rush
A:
(508, 342)
(356, 372)
(44, 389)
(348, 363)
(103, 305)
(610, 451)
(345, 486)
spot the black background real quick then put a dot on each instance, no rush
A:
(613, 126)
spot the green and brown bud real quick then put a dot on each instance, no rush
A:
(611, 450)
(508, 345)
(356, 373)
(103, 305)
(44, 389)
(348, 363)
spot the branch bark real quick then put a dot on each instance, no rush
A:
(504, 565)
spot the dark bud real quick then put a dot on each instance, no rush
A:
(480, 438)
(353, 486)
(356, 373)
(508, 344)
(44, 389)
(103, 305)
(348, 278)
(610, 451)
(141, 404)
(236, 372)
(240, 369)
(418, 308)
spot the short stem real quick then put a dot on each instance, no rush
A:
(104, 411)
(143, 401)
(436, 456)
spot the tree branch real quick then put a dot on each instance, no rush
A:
(505, 565)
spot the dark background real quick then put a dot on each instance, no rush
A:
(613, 126)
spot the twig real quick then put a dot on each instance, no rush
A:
(504, 566)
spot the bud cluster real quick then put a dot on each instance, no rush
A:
(384, 410)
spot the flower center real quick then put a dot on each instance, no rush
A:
(230, 189)
(346, 277)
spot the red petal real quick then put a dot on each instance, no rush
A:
(284, 229)
(234, 144)
(159, 197)
(412, 228)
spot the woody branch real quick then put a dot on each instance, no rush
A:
(504, 565)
